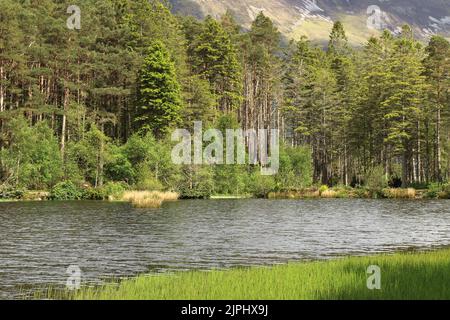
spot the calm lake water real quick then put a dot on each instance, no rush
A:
(39, 241)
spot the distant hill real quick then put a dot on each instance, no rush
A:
(314, 18)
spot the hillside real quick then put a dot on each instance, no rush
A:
(314, 18)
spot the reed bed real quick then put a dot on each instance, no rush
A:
(409, 193)
(343, 192)
(149, 199)
(405, 276)
(330, 194)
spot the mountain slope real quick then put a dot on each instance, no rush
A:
(314, 18)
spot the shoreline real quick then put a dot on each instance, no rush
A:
(405, 275)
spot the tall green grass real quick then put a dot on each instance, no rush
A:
(403, 276)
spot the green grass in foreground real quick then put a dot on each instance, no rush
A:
(404, 276)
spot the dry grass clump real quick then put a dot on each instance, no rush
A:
(330, 194)
(303, 194)
(149, 199)
(409, 193)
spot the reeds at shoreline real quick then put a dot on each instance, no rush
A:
(149, 199)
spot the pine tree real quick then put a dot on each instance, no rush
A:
(404, 104)
(437, 64)
(214, 57)
(159, 101)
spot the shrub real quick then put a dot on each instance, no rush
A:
(196, 182)
(94, 194)
(434, 189)
(262, 185)
(66, 190)
(362, 193)
(344, 191)
(11, 194)
(115, 190)
(445, 193)
(376, 181)
(119, 168)
(323, 189)
(149, 183)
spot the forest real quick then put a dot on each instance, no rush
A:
(93, 108)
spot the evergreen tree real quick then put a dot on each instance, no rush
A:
(159, 100)
(437, 64)
(404, 104)
(214, 57)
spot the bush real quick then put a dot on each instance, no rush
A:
(362, 193)
(262, 185)
(115, 190)
(66, 190)
(94, 194)
(445, 193)
(323, 189)
(434, 190)
(32, 154)
(376, 181)
(438, 191)
(11, 194)
(196, 182)
(119, 168)
(295, 168)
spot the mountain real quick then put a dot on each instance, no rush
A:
(314, 18)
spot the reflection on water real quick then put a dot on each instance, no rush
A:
(38, 241)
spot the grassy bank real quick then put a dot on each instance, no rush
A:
(362, 193)
(403, 276)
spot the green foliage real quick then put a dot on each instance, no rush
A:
(70, 101)
(11, 193)
(159, 99)
(323, 189)
(438, 191)
(214, 57)
(230, 180)
(196, 182)
(119, 168)
(376, 180)
(151, 162)
(94, 194)
(115, 190)
(32, 158)
(295, 168)
(89, 156)
(261, 186)
(66, 190)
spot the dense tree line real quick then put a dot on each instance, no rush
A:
(98, 104)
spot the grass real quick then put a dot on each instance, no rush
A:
(404, 276)
(230, 197)
(329, 194)
(148, 199)
(347, 192)
(409, 193)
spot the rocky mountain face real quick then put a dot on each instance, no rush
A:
(314, 18)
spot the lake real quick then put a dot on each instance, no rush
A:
(40, 240)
